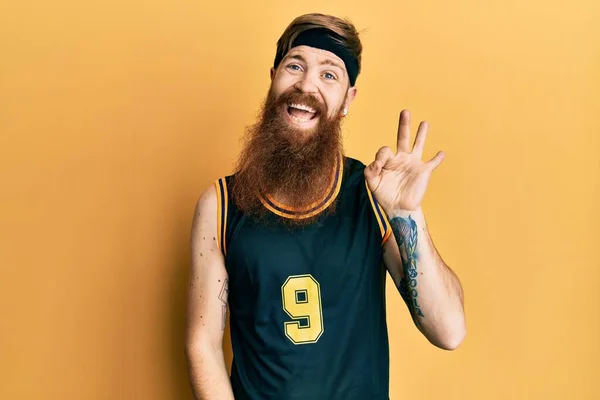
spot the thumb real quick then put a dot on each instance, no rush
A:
(374, 169)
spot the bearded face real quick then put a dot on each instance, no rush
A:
(293, 148)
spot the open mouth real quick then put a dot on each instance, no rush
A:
(301, 113)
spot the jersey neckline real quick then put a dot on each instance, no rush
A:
(316, 207)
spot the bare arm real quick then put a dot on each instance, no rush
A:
(429, 287)
(207, 305)
(431, 290)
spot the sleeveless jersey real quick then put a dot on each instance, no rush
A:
(307, 305)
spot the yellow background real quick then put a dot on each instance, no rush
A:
(115, 115)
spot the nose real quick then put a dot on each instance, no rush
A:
(307, 84)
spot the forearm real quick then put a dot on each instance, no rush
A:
(208, 373)
(431, 290)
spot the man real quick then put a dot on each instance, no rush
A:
(299, 239)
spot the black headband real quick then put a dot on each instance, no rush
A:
(324, 39)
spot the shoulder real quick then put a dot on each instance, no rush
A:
(205, 212)
(353, 164)
(212, 210)
(353, 182)
(214, 195)
(356, 184)
(353, 170)
(207, 201)
(212, 200)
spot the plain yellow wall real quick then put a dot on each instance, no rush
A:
(115, 115)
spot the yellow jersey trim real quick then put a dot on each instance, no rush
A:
(382, 220)
(222, 207)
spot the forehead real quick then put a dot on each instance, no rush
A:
(316, 55)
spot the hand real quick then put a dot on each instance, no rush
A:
(398, 181)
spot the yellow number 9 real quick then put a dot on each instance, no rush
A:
(301, 295)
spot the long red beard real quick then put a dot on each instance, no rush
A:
(293, 165)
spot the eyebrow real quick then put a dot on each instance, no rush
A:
(327, 61)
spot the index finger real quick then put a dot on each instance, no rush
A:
(404, 132)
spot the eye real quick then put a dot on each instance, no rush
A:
(294, 67)
(329, 76)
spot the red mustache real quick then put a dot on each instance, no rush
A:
(302, 98)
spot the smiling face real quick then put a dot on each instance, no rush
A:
(291, 151)
(314, 84)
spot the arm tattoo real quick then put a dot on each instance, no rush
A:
(223, 297)
(405, 231)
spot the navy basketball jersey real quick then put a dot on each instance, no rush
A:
(307, 305)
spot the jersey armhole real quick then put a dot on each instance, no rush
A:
(382, 219)
(222, 204)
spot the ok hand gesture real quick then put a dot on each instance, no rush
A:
(398, 181)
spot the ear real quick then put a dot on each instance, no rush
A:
(273, 70)
(350, 97)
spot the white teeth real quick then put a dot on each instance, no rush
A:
(303, 107)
